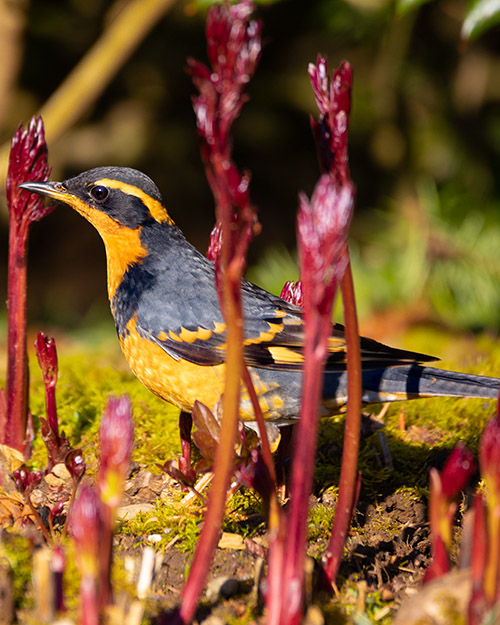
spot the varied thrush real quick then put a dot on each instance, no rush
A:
(172, 332)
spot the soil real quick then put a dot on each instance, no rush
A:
(386, 553)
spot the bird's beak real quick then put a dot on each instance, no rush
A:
(54, 190)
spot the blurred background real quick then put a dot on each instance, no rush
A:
(424, 147)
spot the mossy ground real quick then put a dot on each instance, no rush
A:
(388, 545)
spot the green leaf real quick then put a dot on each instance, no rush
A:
(481, 16)
(405, 6)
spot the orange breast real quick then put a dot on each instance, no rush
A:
(179, 382)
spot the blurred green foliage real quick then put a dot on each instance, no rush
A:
(424, 145)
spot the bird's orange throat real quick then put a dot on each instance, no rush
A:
(123, 245)
(123, 249)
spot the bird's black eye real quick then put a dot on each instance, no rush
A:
(99, 193)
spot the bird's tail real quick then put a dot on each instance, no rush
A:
(413, 381)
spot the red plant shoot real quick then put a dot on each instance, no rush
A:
(47, 359)
(322, 226)
(457, 471)
(444, 489)
(56, 443)
(322, 229)
(333, 98)
(293, 292)
(92, 514)
(116, 439)
(489, 462)
(233, 49)
(26, 480)
(233, 45)
(27, 162)
(87, 532)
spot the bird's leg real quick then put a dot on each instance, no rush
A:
(282, 459)
(180, 468)
(185, 425)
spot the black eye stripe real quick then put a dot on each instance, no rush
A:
(128, 210)
(99, 192)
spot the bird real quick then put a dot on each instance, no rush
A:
(172, 332)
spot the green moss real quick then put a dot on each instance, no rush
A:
(169, 521)
(330, 442)
(244, 514)
(432, 427)
(334, 614)
(320, 522)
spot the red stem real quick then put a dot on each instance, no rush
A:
(17, 361)
(89, 611)
(267, 454)
(276, 519)
(224, 455)
(302, 480)
(51, 407)
(274, 599)
(284, 601)
(349, 470)
(479, 556)
(104, 588)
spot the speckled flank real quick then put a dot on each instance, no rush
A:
(178, 381)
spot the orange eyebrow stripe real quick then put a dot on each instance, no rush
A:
(156, 209)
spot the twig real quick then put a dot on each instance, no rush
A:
(88, 79)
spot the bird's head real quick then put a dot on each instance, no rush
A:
(110, 198)
(120, 203)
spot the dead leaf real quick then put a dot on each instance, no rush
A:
(10, 460)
